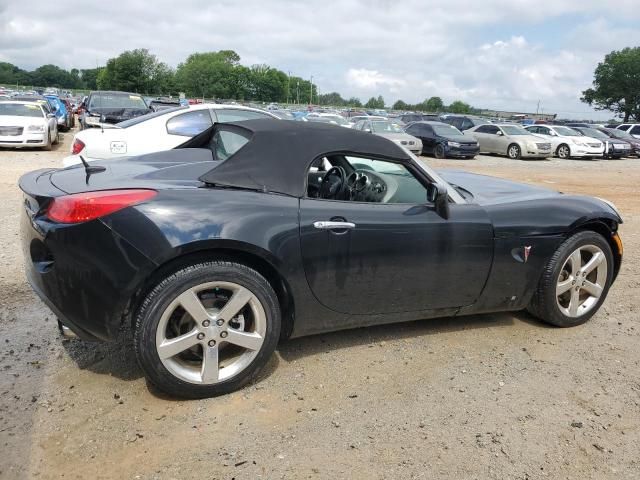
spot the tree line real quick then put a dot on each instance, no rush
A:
(208, 75)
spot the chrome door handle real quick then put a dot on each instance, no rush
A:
(334, 225)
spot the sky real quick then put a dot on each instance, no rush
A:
(499, 54)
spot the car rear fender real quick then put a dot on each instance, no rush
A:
(251, 256)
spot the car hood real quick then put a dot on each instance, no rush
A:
(528, 138)
(16, 121)
(162, 170)
(488, 190)
(397, 136)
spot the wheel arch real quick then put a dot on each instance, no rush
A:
(225, 250)
(607, 228)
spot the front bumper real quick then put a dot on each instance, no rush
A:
(581, 151)
(461, 151)
(25, 140)
(85, 273)
(535, 153)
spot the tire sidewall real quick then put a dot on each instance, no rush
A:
(519, 151)
(439, 151)
(567, 248)
(160, 298)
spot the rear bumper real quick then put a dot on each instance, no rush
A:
(85, 273)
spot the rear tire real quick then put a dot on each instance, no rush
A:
(212, 358)
(568, 272)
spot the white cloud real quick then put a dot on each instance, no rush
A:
(494, 53)
(364, 79)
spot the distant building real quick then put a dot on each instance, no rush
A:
(518, 115)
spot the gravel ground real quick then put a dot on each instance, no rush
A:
(492, 396)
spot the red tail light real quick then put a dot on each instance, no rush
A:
(82, 207)
(77, 147)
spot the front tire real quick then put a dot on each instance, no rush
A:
(563, 151)
(207, 330)
(575, 282)
(439, 152)
(513, 152)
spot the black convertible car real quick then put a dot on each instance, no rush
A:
(260, 230)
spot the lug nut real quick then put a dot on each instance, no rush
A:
(206, 323)
(200, 336)
(220, 322)
(223, 334)
(212, 343)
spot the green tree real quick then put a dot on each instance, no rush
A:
(52, 76)
(89, 77)
(434, 104)
(12, 75)
(400, 105)
(333, 99)
(374, 102)
(616, 84)
(210, 74)
(354, 102)
(459, 107)
(135, 71)
(267, 84)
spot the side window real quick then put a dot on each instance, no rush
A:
(225, 143)
(189, 124)
(368, 180)
(427, 130)
(635, 130)
(533, 130)
(466, 124)
(413, 130)
(237, 115)
(483, 129)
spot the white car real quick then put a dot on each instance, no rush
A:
(155, 132)
(27, 124)
(334, 118)
(567, 142)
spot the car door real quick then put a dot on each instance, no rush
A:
(396, 255)
(484, 137)
(425, 134)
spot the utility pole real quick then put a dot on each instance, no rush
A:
(298, 89)
(311, 90)
(538, 107)
(288, 83)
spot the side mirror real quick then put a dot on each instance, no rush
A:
(368, 130)
(499, 133)
(438, 195)
(51, 115)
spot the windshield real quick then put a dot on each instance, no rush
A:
(446, 130)
(385, 127)
(110, 100)
(592, 132)
(621, 134)
(567, 132)
(514, 130)
(20, 110)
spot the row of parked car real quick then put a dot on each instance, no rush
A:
(123, 123)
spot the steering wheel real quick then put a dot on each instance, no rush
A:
(332, 186)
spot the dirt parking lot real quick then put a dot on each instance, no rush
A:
(483, 397)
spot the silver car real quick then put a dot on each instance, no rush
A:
(392, 131)
(510, 140)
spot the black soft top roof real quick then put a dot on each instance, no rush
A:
(280, 152)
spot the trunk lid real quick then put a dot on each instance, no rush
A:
(161, 170)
